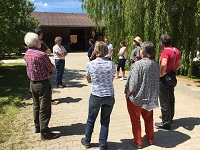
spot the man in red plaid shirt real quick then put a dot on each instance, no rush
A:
(39, 68)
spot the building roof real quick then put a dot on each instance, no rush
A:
(52, 19)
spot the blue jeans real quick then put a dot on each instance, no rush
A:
(60, 65)
(95, 104)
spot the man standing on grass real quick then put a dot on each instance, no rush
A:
(39, 68)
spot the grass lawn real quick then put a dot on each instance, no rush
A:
(14, 89)
(13, 56)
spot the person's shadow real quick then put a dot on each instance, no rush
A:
(68, 100)
(186, 123)
(73, 129)
(172, 138)
(162, 138)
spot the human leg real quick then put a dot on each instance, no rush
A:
(36, 107)
(94, 107)
(172, 97)
(134, 112)
(106, 110)
(45, 105)
(58, 63)
(62, 70)
(123, 67)
(118, 69)
(165, 106)
(148, 122)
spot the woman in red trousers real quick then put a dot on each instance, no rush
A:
(142, 94)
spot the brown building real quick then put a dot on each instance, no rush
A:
(75, 29)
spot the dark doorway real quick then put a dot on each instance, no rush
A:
(77, 39)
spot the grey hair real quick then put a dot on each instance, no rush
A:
(148, 50)
(58, 38)
(30, 39)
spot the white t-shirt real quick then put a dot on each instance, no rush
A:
(110, 48)
(120, 51)
(57, 48)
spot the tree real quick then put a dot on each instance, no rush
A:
(149, 19)
(15, 21)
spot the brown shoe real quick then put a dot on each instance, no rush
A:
(60, 86)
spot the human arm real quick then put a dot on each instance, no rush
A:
(138, 57)
(47, 62)
(112, 51)
(179, 64)
(90, 50)
(131, 56)
(57, 51)
(53, 68)
(93, 54)
(48, 51)
(133, 80)
(128, 92)
(163, 66)
(113, 70)
(88, 79)
(65, 53)
(122, 53)
(45, 48)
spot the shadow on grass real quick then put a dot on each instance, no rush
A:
(14, 85)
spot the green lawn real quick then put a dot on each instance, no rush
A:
(14, 89)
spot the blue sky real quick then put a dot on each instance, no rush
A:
(68, 6)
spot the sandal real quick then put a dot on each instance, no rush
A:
(135, 145)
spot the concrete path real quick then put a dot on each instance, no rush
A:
(69, 116)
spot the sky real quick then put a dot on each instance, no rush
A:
(67, 6)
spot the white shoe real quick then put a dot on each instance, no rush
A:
(116, 77)
(122, 78)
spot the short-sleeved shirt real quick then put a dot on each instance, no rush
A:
(38, 64)
(57, 48)
(110, 48)
(121, 50)
(135, 53)
(168, 53)
(101, 71)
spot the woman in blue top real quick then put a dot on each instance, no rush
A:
(100, 72)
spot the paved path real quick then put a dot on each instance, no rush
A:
(69, 116)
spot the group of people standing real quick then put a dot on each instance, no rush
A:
(147, 81)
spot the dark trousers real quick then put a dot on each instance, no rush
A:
(41, 92)
(60, 65)
(95, 104)
(121, 64)
(167, 100)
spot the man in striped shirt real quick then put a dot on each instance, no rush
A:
(39, 68)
